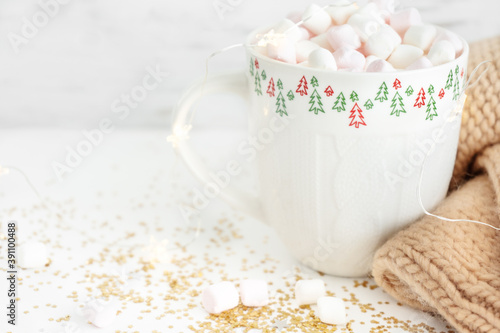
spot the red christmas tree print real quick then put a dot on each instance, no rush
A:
(257, 64)
(302, 87)
(462, 73)
(441, 94)
(396, 84)
(329, 91)
(357, 116)
(420, 99)
(270, 88)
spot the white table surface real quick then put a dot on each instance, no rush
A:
(120, 203)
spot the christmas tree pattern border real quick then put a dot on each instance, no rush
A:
(398, 105)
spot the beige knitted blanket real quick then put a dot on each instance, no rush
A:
(453, 268)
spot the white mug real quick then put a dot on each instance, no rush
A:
(342, 152)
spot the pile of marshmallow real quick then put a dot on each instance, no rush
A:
(224, 296)
(372, 38)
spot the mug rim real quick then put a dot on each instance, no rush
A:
(250, 48)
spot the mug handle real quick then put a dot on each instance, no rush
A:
(234, 83)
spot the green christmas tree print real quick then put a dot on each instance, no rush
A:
(258, 88)
(354, 97)
(315, 101)
(456, 86)
(457, 70)
(251, 67)
(280, 105)
(409, 91)
(397, 105)
(369, 104)
(290, 95)
(382, 93)
(279, 84)
(357, 116)
(264, 75)
(431, 109)
(314, 81)
(449, 82)
(431, 89)
(339, 104)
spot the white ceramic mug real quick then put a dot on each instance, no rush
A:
(342, 152)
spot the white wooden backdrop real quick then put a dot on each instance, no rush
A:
(72, 70)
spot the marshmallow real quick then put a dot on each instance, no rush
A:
(380, 66)
(32, 255)
(308, 291)
(364, 25)
(220, 297)
(316, 19)
(282, 49)
(289, 29)
(369, 60)
(254, 293)
(385, 5)
(421, 63)
(420, 36)
(404, 19)
(295, 17)
(452, 38)
(331, 310)
(322, 40)
(305, 34)
(344, 35)
(304, 48)
(405, 55)
(100, 313)
(441, 52)
(348, 58)
(380, 44)
(323, 59)
(341, 10)
(371, 9)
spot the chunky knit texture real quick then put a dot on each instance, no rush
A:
(453, 268)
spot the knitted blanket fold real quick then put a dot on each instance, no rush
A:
(453, 268)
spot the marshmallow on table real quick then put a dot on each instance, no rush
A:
(316, 19)
(341, 10)
(405, 55)
(331, 310)
(364, 25)
(254, 292)
(348, 58)
(32, 255)
(380, 65)
(322, 59)
(220, 297)
(420, 36)
(282, 49)
(322, 40)
(101, 313)
(441, 52)
(343, 35)
(452, 38)
(304, 48)
(308, 291)
(404, 19)
(421, 63)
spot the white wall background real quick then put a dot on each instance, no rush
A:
(69, 73)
